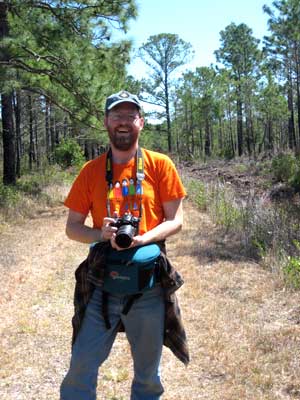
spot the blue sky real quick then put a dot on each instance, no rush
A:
(198, 22)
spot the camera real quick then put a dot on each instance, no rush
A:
(128, 227)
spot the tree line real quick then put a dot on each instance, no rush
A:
(58, 64)
(248, 103)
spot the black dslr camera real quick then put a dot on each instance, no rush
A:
(128, 227)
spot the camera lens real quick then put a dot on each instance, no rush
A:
(125, 235)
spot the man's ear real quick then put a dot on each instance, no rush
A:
(105, 121)
(142, 122)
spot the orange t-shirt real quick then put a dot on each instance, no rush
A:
(90, 190)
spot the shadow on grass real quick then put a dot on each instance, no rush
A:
(216, 245)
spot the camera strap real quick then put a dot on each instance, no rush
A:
(140, 176)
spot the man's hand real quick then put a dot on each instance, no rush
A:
(108, 231)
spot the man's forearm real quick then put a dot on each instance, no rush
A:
(83, 233)
(160, 232)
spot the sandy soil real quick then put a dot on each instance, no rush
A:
(242, 324)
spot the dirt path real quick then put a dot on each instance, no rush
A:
(243, 327)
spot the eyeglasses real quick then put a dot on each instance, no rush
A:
(122, 117)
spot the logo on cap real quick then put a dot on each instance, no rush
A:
(124, 94)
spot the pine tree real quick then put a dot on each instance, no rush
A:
(60, 51)
(164, 53)
(239, 52)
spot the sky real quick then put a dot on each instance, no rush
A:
(198, 22)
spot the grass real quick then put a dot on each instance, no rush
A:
(262, 230)
(33, 194)
(242, 327)
(241, 321)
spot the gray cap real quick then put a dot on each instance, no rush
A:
(121, 97)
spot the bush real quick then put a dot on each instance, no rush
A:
(291, 272)
(196, 190)
(68, 154)
(294, 181)
(284, 166)
(9, 196)
(32, 193)
(226, 153)
(223, 209)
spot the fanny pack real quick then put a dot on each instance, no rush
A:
(132, 270)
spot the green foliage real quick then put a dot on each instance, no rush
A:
(227, 153)
(218, 201)
(163, 53)
(291, 272)
(294, 180)
(69, 154)
(239, 49)
(196, 191)
(223, 209)
(34, 193)
(63, 51)
(9, 196)
(260, 246)
(284, 167)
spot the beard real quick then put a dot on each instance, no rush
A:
(122, 141)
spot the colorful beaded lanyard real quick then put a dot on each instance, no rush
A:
(140, 176)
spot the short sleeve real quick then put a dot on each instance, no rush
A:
(170, 184)
(78, 198)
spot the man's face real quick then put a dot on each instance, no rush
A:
(123, 123)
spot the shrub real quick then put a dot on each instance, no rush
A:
(68, 153)
(284, 166)
(223, 209)
(291, 272)
(294, 180)
(227, 153)
(32, 193)
(266, 232)
(9, 196)
(196, 190)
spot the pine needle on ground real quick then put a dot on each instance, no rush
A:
(243, 326)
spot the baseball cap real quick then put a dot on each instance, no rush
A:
(121, 97)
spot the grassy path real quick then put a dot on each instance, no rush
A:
(243, 327)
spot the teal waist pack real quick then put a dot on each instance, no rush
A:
(131, 271)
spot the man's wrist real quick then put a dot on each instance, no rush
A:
(101, 238)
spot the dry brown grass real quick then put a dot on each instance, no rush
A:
(243, 327)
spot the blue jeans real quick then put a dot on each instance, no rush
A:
(144, 325)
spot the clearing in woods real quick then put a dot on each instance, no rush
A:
(243, 326)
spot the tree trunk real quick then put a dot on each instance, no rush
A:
(47, 129)
(9, 162)
(88, 150)
(239, 109)
(248, 141)
(231, 141)
(168, 116)
(220, 135)
(291, 121)
(66, 127)
(207, 149)
(269, 135)
(192, 132)
(200, 142)
(31, 156)
(36, 138)
(298, 95)
(17, 110)
(52, 132)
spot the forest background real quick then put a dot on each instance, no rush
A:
(58, 63)
(233, 130)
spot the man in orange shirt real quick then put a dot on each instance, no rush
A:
(144, 185)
